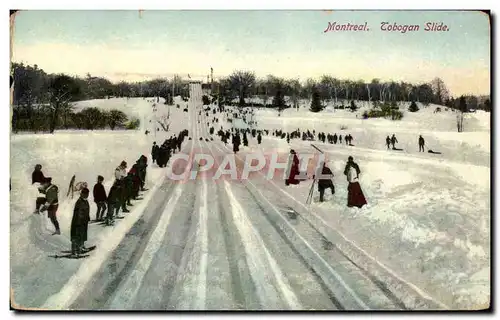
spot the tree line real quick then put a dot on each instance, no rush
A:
(38, 94)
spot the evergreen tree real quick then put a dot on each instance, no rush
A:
(316, 102)
(462, 104)
(279, 101)
(353, 106)
(413, 107)
(487, 105)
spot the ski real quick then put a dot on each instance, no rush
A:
(85, 250)
(70, 256)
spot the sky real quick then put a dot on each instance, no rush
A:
(127, 45)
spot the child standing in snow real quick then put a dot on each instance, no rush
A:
(51, 202)
(100, 198)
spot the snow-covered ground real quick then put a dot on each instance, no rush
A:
(86, 155)
(428, 218)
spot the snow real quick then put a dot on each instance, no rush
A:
(428, 216)
(427, 220)
(86, 155)
(128, 291)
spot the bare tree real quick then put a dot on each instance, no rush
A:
(440, 91)
(242, 82)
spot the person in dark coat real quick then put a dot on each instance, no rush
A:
(142, 165)
(421, 143)
(245, 139)
(388, 142)
(100, 198)
(355, 196)
(294, 169)
(80, 222)
(335, 137)
(325, 181)
(394, 140)
(37, 175)
(259, 138)
(113, 203)
(51, 192)
(154, 152)
(236, 143)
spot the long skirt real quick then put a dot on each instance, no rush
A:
(355, 196)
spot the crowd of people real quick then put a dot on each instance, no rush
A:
(126, 187)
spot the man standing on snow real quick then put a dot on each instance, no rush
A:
(388, 142)
(394, 141)
(421, 143)
(99, 193)
(52, 204)
(325, 182)
(80, 222)
(154, 152)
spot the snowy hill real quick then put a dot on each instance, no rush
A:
(428, 216)
(427, 219)
(85, 154)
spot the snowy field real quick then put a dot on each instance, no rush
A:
(427, 219)
(428, 216)
(85, 155)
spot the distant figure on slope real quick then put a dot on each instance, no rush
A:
(154, 151)
(325, 181)
(80, 222)
(259, 138)
(355, 196)
(293, 167)
(394, 141)
(245, 139)
(340, 139)
(236, 142)
(388, 142)
(335, 137)
(421, 143)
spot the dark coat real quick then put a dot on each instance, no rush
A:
(99, 193)
(421, 141)
(325, 183)
(354, 165)
(37, 176)
(114, 194)
(80, 221)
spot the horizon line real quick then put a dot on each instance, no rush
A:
(167, 76)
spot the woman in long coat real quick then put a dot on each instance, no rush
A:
(355, 196)
(294, 170)
(80, 222)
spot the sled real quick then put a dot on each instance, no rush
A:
(433, 152)
(397, 149)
